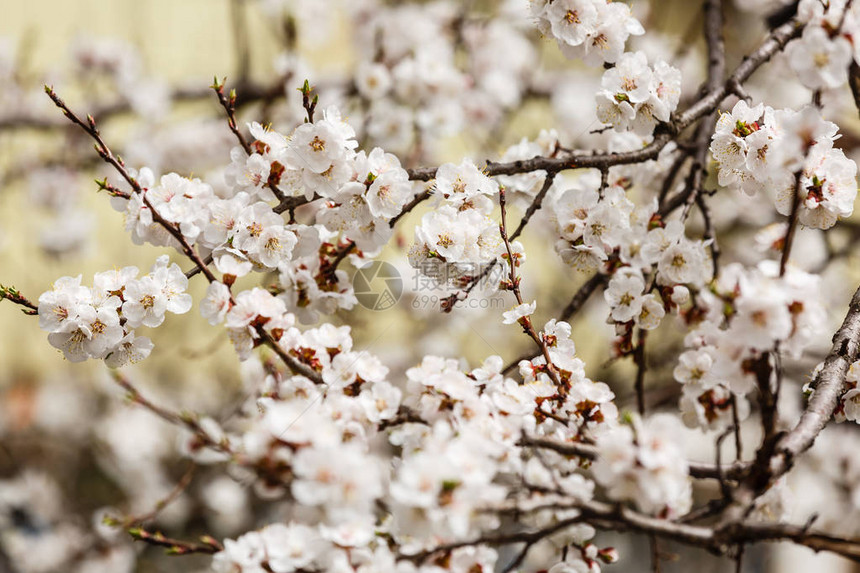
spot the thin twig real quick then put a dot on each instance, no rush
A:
(514, 286)
(819, 411)
(296, 366)
(792, 225)
(576, 159)
(641, 366)
(14, 295)
(736, 424)
(576, 303)
(207, 545)
(107, 155)
(229, 105)
(697, 469)
(534, 206)
(655, 553)
(739, 558)
(180, 487)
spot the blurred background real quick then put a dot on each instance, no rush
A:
(73, 449)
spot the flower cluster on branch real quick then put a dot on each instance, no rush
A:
(355, 463)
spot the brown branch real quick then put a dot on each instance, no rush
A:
(535, 205)
(196, 269)
(207, 545)
(14, 295)
(736, 423)
(698, 470)
(290, 203)
(715, 43)
(710, 234)
(296, 366)
(763, 371)
(710, 509)
(229, 105)
(180, 487)
(528, 537)
(715, 79)
(577, 159)
(420, 198)
(405, 415)
(788, 240)
(828, 389)
(514, 287)
(340, 254)
(717, 540)
(184, 420)
(579, 299)
(753, 532)
(641, 367)
(720, 541)
(718, 461)
(107, 155)
(655, 553)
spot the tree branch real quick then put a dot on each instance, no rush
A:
(828, 386)
(733, 471)
(578, 159)
(14, 295)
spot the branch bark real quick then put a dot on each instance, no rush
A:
(577, 159)
(828, 386)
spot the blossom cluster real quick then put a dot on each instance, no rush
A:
(588, 404)
(790, 154)
(458, 236)
(100, 321)
(336, 460)
(748, 313)
(597, 224)
(592, 30)
(635, 96)
(284, 548)
(822, 55)
(643, 463)
(358, 193)
(417, 90)
(627, 300)
(462, 434)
